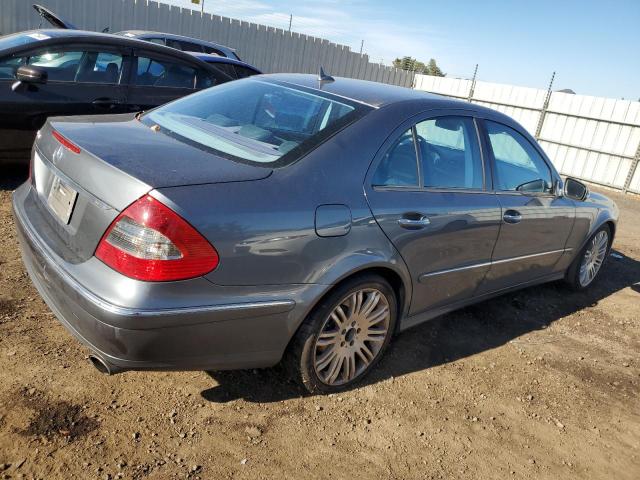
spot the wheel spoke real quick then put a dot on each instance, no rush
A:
(350, 366)
(342, 319)
(370, 304)
(325, 359)
(334, 368)
(326, 339)
(358, 296)
(378, 316)
(364, 353)
(376, 335)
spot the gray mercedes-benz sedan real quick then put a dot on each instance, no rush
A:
(287, 216)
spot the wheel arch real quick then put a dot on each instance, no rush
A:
(399, 281)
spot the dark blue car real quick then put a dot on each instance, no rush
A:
(233, 68)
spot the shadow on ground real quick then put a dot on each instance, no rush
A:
(457, 335)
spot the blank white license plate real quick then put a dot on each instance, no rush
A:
(62, 199)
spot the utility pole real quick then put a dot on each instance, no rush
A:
(290, 21)
(361, 46)
(473, 84)
(545, 106)
(202, 9)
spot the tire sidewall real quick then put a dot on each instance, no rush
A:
(573, 276)
(315, 321)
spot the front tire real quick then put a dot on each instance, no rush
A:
(345, 335)
(586, 267)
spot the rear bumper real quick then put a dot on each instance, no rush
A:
(249, 333)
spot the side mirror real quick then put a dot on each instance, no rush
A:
(575, 190)
(31, 74)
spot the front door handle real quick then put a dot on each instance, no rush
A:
(512, 216)
(414, 223)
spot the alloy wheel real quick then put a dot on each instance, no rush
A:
(351, 336)
(593, 258)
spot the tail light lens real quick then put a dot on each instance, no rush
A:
(149, 241)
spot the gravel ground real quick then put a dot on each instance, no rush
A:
(542, 383)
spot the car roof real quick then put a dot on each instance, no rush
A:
(377, 94)
(171, 36)
(374, 94)
(212, 58)
(59, 33)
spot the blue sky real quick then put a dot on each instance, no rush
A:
(594, 46)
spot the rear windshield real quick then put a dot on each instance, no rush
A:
(17, 39)
(256, 121)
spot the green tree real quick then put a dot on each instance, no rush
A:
(412, 65)
(433, 69)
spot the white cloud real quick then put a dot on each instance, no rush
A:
(340, 21)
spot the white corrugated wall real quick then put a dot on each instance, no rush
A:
(593, 138)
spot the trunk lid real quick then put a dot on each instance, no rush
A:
(119, 161)
(52, 18)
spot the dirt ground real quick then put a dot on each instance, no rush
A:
(543, 383)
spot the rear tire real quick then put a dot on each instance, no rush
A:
(345, 335)
(587, 265)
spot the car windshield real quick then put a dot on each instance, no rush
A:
(19, 39)
(256, 121)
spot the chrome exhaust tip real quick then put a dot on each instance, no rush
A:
(102, 366)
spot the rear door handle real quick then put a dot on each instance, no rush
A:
(106, 102)
(512, 216)
(414, 223)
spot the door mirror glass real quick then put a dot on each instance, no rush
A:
(575, 190)
(31, 74)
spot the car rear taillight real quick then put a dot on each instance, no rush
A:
(66, 143)
(149, 241)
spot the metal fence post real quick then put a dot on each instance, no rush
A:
(632, 170)
(545, 106)
(473, 84)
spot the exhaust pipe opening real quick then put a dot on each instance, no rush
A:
(102, 366)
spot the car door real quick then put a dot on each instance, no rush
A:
(157, 79)
(82, 79)
(427, 192)
(535, 221)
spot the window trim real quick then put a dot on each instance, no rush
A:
(492, 159)
(420, 187)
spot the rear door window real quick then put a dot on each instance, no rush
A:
(164, 73)
(184, 45)
(212, 50)
(226, 68)
(450, 153)
(399, 166)
(244, 72)
(157, 41)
